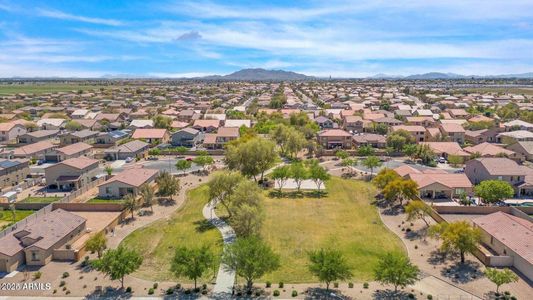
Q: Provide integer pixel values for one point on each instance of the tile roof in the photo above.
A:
(486, 149)
(78, 162)
(501, 166)
(74, 148)
(33, 148)
(333, 132)
(514, 232)
(446, 179)
(134, 177)
(147, 133)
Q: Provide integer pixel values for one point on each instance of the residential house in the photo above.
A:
(354, 123)
(445, 149)
(35, 242)
(135, 124)
(51, 124)
(418, 132)
(492, 150)
(11, 131)
(325, 123)
(37, 136)
(86, 136)
(498, 168)
(455, 132)
(510, 238)
(517, 125)
(334, 138)
(523, 148)
(79, 114)
(152, 135)
(223, 136)
(127, 182)
(237, 123)
(512, 137)
(112, 137)
(71, 174)
(133, 149)
(206, 125)
(483, 135)
(370, 139)
(13, 171)
(188, 137)
(37, 150)
(437, 184)
(70, 151)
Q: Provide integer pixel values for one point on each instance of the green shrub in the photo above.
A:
(178, 286)
(204, 286)
(294, 293)
(281, 284)
(430, 297)
(350, 285)
(257, 293)
(268, 284)
(151, 291)
(170, 291)
(156, 285)
(187, 292)
(62, 283)
(335, 284)
(411, 296)
(365, 285)
(275, 293)
(204, 292)
(65, 275)
(37, 275)
(128, 289)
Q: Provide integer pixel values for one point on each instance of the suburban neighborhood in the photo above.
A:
(121, 169)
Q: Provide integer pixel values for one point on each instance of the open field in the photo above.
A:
(187, 227)
(344, 219)
(47, 88)
(40, 199)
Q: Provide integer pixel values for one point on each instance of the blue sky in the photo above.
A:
(322, 38)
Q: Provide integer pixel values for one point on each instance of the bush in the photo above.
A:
(281, 284)
(128, 289)
(430, 297)
(151, 291)
(187, 292)
(268, 284)
(65, 275)
(365, 285)
(275, 293)
(55, 291)
(170, 291)
(62, 283)
(178, 286)
(37, 275)
(411, 296)
(350, 285)
(156, 285)
(257, 293)
(204, 286)
(335, 284)
(294, 293)
(196, 290)
(67, 292)
(204, 292)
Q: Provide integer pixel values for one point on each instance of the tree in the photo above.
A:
(455, 160)
(500, 277)
(147, 195)
(163, 122)
(222, 187)
(319, 175)
(396, 269)
(492, 191)
(399, 138)
(73, 126)
(131, 204)
(117, 263)
(203, 160)
(248, 215)
(168, 185)
(182, 150)
(290, 140)
(108, 170)
(298, 173)
(13, 211)
(192, 262)
(341, 154)
(371, 162)
(329, 265)
(384, 177)
(251, 258)
(97, 243)
(400, 189)
(417, 209)
(366, 150)
(409, 150)
(183, 165)
(281, 175)
(252, 157)
(424, 153)
(457, 236)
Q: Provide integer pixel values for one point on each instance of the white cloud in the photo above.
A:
(39, 70)
(57, 14)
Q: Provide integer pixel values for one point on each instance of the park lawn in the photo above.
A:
(186, 227)
(40, 199)
(343, 219)
(99, 200)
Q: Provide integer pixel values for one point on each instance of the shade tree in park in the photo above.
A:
(280, 175)
(183, 165)
(168, 185)
(384, 177)
(418, 210)
(371, 162)
(117, 263)
(252, 157)
(222, 187)
(399, 190)
(298, 173)
(192, 262)
(396, 269)
(329, 265)
(459, 236)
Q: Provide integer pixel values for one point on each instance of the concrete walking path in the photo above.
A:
(225, 278)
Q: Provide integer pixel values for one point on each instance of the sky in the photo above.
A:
(320, 38)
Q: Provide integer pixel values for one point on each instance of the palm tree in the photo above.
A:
(108, 170)
(130, 204)
(147, 195)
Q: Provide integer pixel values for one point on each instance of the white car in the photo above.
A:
(129, 159)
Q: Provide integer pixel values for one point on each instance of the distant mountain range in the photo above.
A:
(259, 74)
(437, 75)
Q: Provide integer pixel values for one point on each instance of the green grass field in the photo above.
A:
(40, 199)
(41, 88)
(187, 227)
(6, 216)
(343, 219)
(98, 200)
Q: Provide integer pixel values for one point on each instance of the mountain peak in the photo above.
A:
(258, 74)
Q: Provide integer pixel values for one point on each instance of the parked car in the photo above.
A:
(129, 159)
(153, 158)
(441, 160)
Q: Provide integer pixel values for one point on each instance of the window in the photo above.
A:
(34, 255)
(500, 177)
